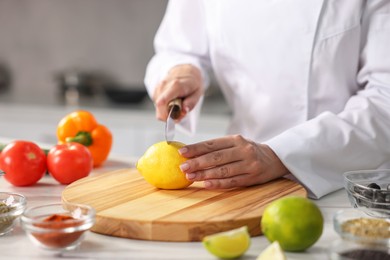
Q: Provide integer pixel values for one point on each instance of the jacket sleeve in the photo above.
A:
(180, 39)
(318, 151)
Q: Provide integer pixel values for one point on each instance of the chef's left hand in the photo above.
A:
(231, 161)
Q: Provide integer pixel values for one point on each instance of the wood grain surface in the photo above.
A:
(127, 206)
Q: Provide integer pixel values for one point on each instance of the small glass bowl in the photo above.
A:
(375, 202)
(360, 233)
(12, 206)
(56, 226)
(341, 249)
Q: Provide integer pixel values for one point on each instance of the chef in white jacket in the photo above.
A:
(308, 82)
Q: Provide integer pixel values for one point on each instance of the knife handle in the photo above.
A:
(175, 106)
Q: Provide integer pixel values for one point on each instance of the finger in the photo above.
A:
(212, 160)
(191, 92)
(221, 172)
(242, 180)
(184, 111)
(205, 147)
(161, 113)
(158, 102)
(168, 93)
(157, 91)
(227, 170)
(190, 101)
(176, 88)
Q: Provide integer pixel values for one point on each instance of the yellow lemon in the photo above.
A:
(228, 244)
(159, 165)
(272, 252)
(295, 222)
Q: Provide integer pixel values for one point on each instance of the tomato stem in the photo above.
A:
(2, 146)
(81, 137)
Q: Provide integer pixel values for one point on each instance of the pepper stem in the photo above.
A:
(81, 137)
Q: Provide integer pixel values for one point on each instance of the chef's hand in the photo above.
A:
(182, 81)
(231, 161)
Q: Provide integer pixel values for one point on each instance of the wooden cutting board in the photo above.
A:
(127, 206)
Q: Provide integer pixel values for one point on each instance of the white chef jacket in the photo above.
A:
(310, 78)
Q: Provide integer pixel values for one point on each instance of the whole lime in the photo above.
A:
(295, 222)
(160, 166)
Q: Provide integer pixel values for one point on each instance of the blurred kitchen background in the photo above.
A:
(92, 52)
(60, 55)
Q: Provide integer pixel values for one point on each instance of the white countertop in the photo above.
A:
(39, 123)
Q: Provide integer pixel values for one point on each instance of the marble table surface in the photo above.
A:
(16, 244)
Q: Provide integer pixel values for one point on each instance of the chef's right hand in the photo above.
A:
(183, 81)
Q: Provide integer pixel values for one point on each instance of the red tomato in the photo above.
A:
(69, 162)
(23, 162)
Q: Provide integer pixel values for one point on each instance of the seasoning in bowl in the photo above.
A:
(5, 221)
(356, 225)
(58, 239)
(367, 227)
(58, 227)
(365, 254)
(11, 207)
(362, 236)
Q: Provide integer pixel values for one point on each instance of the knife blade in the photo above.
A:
(174, 108)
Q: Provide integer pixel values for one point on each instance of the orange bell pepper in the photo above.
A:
(82, 127)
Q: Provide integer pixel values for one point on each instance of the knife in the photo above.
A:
(174, 108)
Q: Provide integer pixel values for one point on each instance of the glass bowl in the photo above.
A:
(340, 249)
(369, 190)
(361, 235)
(12, 206)
(357, 226)
(57, 226)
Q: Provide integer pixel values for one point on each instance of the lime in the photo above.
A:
(272, 252)
(295, 222)
(159, 166)
(228, 244)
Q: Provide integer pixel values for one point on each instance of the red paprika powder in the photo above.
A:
(56, 237)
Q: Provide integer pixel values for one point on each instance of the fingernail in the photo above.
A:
(207, 184)
(190, 176)
(184, 167)
(183, 150)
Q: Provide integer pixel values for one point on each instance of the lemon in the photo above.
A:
(295, 222)
(272, 252)
(228, 244)
(159, 166)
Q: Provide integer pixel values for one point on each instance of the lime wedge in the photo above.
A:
(273, 251)
(228, 244)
